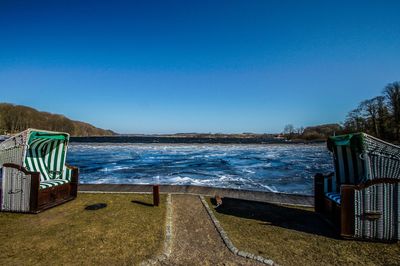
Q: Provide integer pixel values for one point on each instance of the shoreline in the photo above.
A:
(193, 143)
(183, 140)
(260, 196)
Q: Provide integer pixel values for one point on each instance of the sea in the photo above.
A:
(287, 168)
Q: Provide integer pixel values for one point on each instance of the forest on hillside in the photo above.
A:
(16, 118)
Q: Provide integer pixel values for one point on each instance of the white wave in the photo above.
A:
(248, 166)
(249, 171)
(270, 188)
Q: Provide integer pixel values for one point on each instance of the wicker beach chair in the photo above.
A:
(34, 174)
(362, 197)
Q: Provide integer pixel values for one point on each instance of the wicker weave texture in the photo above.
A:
(13, 150)
(382, 158)
(377, 212)
(16, 190)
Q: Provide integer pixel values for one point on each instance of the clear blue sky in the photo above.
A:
(197, 66)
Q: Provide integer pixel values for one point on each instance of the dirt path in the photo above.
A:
(195, 239)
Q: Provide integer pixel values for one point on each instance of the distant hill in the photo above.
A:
(16, 118)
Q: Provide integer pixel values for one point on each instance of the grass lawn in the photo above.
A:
(296, 236)
(126, 232)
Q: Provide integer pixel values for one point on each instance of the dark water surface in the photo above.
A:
(272, 167)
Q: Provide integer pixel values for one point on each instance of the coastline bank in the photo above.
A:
(269, 197)
(189, 140)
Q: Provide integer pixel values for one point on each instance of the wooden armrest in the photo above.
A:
(71, 167)
(377, 181)
(20, 168)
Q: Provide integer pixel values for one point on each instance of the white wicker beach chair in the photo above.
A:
(362, 196)
(34, 174)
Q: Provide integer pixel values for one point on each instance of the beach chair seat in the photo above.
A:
(34, 174)
(334, 196)
(52, 183)
(362, 196)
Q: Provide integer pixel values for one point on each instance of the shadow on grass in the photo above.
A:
(142, 203)
(277, 215)
(95, 207)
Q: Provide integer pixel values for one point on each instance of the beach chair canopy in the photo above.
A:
(39, 151)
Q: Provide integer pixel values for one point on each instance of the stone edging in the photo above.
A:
(167, 248)
(229, 243)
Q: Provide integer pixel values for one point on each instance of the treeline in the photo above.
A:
(16, 118)
(320, 132)
(379, 116)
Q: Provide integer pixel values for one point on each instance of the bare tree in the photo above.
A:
(370, 109)
(383, 115)
(355, 121)
(289, 129)
(392, 94)
(300, 131)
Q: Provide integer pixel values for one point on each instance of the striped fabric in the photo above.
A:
(67, 174)
(52, 183)
(335, 196)
(349, 166)
(384, 201)
(47, 156)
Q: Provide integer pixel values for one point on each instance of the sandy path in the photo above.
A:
(195, 239)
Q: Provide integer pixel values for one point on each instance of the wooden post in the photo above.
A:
(319, 193)
(156, 195)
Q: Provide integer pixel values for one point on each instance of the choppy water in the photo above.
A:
(278, 168)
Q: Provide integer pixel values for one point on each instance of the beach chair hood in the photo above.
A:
(34, 174)
(362, 157)
(38, 151)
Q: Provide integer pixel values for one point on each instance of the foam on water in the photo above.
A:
(277, 168)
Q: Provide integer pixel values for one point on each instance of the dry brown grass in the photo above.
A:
(123, 233)
(296, 236)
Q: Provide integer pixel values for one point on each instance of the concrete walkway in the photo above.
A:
(195, 239)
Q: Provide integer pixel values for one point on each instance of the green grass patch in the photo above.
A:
(128, 231)
(296, 236)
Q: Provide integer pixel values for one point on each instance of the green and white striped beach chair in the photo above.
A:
(34, 174)
(362, 197)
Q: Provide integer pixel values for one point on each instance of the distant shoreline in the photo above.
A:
(189, 140)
